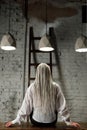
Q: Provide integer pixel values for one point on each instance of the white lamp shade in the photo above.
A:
(81, 44)
(8, 42)
(44, 44)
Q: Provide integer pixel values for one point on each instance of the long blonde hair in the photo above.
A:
(44, 86)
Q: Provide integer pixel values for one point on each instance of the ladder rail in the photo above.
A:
(34, 51)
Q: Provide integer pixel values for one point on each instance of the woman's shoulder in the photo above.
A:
(31, 86)
(55, 84)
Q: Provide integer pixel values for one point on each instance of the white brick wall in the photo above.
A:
(11, 63)
(72, 74)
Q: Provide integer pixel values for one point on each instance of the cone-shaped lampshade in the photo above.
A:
(45, 44)
(81, 44)
(8, 42)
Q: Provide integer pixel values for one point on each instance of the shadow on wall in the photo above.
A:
(57, 54)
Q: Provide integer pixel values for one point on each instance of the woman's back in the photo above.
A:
(44, 109)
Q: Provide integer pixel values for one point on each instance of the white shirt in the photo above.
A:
(29, 104)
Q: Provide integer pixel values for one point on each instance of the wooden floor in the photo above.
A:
(59, 126)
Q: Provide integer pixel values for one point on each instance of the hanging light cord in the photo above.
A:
(9, 16)
(46, 17)
(82, 28)
(25, 45)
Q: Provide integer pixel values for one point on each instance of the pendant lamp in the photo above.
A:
(81, 42)
(8, 42)
(45, 44)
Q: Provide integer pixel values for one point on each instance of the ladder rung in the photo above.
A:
(32, 78)
(35, 64)
(36, 38)
(39, 51)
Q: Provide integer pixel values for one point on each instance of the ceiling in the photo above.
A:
(55, 8)
(54, 1)
(51, 10)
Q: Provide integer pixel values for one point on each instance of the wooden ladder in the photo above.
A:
(33, 51)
